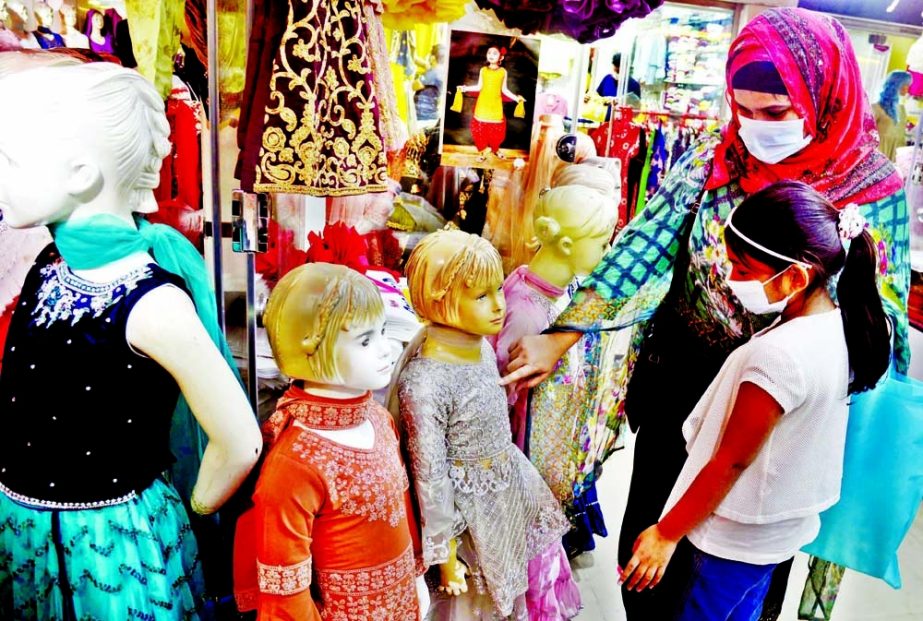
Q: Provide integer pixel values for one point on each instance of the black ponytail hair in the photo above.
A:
(793, 219)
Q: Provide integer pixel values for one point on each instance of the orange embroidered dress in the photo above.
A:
(327, 518)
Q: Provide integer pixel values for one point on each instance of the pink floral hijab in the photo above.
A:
(815, 59)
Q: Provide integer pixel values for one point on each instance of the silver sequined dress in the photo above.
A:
(470, 478)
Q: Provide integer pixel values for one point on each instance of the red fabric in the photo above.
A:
(815, 58)
(341, 245)
(179, 195)
(488, 134)
(624, 145)
(6, 315)
(330, 517)
(281, 256)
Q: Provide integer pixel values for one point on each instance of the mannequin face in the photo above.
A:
(586, 253)
(44, 15)
(19, 10)
(363, 357)
(97, 21)
(481, 308)
(493, 56)
(905, 89)
(69, 16)
(35, 183)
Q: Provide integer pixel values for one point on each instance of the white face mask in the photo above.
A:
(752, 295)
(773, 141)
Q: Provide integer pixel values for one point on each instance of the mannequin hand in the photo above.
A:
(522, 99)
(652, 554)
(453, 578)
(462, 89)
(532, 358)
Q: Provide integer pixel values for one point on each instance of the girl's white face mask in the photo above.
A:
(773, 141)
(752, 295)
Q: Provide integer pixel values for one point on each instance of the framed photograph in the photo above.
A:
(490, 99)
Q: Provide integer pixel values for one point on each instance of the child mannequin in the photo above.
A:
(563, 427)
(117, 336)
(332, 504)
(483, 505)
(44, 16)
(73, 38)
(18, 15)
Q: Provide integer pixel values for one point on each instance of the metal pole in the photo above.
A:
(214, 115)
(578, 90)
(252, 379)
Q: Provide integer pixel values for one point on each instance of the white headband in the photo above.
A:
(771, 253)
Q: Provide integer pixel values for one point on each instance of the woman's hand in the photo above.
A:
(532, 358)
(652, 554)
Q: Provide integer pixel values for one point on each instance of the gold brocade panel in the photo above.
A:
(322, 133)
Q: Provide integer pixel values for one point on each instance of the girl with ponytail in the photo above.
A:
(766, 441)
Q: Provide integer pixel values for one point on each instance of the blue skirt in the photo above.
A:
(135, 560)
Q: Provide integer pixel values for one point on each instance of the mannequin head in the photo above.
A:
(456, 280)
(97, 21)
(4, 12)
(573, 226)
(591, 174)
(69, 16)
(325, 325)
(109, 132)
(44, 14)
(16, 10)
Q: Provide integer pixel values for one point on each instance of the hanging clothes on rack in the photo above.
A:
(619, 138)
(179, 196)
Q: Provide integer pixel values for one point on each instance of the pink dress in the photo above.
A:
(530, 309)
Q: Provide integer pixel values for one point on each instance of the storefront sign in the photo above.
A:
(893, 11)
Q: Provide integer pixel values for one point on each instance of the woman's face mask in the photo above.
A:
(773, 141)
(769, 125)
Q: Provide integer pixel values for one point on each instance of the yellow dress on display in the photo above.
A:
(489, 106)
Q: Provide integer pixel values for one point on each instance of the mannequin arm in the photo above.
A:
(164, 326)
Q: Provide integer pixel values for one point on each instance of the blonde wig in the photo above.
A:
(121, 108)
(309, 308)
(441, 265)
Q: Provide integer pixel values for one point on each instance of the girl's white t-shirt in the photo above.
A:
(773, 509)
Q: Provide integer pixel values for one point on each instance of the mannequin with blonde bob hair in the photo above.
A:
(484, 508)
(119, 315)
(333, 479)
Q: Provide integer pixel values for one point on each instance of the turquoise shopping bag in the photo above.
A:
(882, 481)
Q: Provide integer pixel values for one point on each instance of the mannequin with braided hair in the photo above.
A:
(484, 509)
(333, 480)
(113, 350)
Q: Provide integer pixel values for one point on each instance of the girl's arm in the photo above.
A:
(752, 420)
(507, 92)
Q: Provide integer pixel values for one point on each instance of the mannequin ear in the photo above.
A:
(85, 180)
(565, 245)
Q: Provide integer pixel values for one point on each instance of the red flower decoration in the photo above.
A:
(339, 244)
(281, 255)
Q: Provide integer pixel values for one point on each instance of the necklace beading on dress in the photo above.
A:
(323, 413)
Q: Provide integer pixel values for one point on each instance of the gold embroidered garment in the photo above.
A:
(323, 126)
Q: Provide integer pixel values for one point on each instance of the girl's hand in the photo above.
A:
(652, 554)
(532, 358)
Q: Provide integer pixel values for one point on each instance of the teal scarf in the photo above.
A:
(100, 240)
